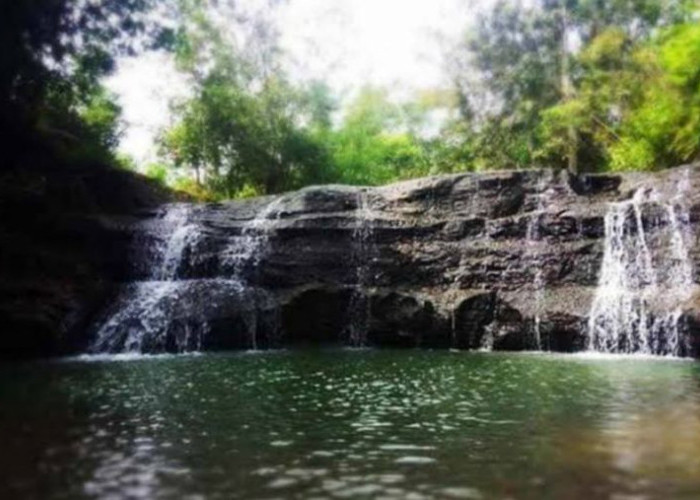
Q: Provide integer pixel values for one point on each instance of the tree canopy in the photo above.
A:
(588, 85)
(560, 83)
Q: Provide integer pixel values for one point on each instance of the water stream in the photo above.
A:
(645, 277)
(166, 312)
(534, 248)
(142, 312)
(362, 256)
(251, 246)
(183, 234)
(255, 239)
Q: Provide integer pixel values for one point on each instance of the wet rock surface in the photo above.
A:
(64, 232)
(504, 260)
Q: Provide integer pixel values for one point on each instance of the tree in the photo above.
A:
(626, 109)
(55, 52)
(374, 143)
(609, 84)
(520, 75)
(662, 128)
(246, 128)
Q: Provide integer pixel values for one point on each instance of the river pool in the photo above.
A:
(351, 424)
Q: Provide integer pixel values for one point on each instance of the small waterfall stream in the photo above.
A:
(533, 238)
(645, 277)
(359, 306)
(183, 233)
(250, 247)
(247, 251)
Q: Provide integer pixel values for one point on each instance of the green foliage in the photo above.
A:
(665, 122)
(626, 95)
(367, 147)
(246, 129)
(379, 141)
(637, 103)
(631, 154)
(55, 52)
(52, 39)
(100, 114)
(126, 162)
(194, 190)
(510, 74)
(626, 99)
(158, 172)
(239, 140)
(232, 137)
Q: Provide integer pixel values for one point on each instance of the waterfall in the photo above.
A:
(646, 275)
(182, 235)
(249, 248)
(168, 311)
(247, 251)
(142, 311)
(359, 306)
(533, 238)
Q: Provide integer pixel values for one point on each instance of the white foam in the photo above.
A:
(126, 356)
(646, 275)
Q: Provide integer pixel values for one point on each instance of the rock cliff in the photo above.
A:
(505, 260)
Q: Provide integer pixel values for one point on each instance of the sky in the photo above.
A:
(398, 44)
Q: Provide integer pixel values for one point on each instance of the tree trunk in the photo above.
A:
(567, 90)
(197, 177)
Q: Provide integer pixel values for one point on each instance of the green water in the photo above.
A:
(351, 424)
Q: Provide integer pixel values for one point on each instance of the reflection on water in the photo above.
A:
(351, 424)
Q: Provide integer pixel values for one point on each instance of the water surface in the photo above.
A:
(351, 424)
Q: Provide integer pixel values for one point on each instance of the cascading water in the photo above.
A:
(141, 313)
(250, 247)
(533, 237)
(183, 234)
(247, 251)
(359, 306)
(168, 312)
(645, 276)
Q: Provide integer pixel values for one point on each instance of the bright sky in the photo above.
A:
(398, 44)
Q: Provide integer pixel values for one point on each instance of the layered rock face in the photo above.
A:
(502, 260)
(64, 235)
